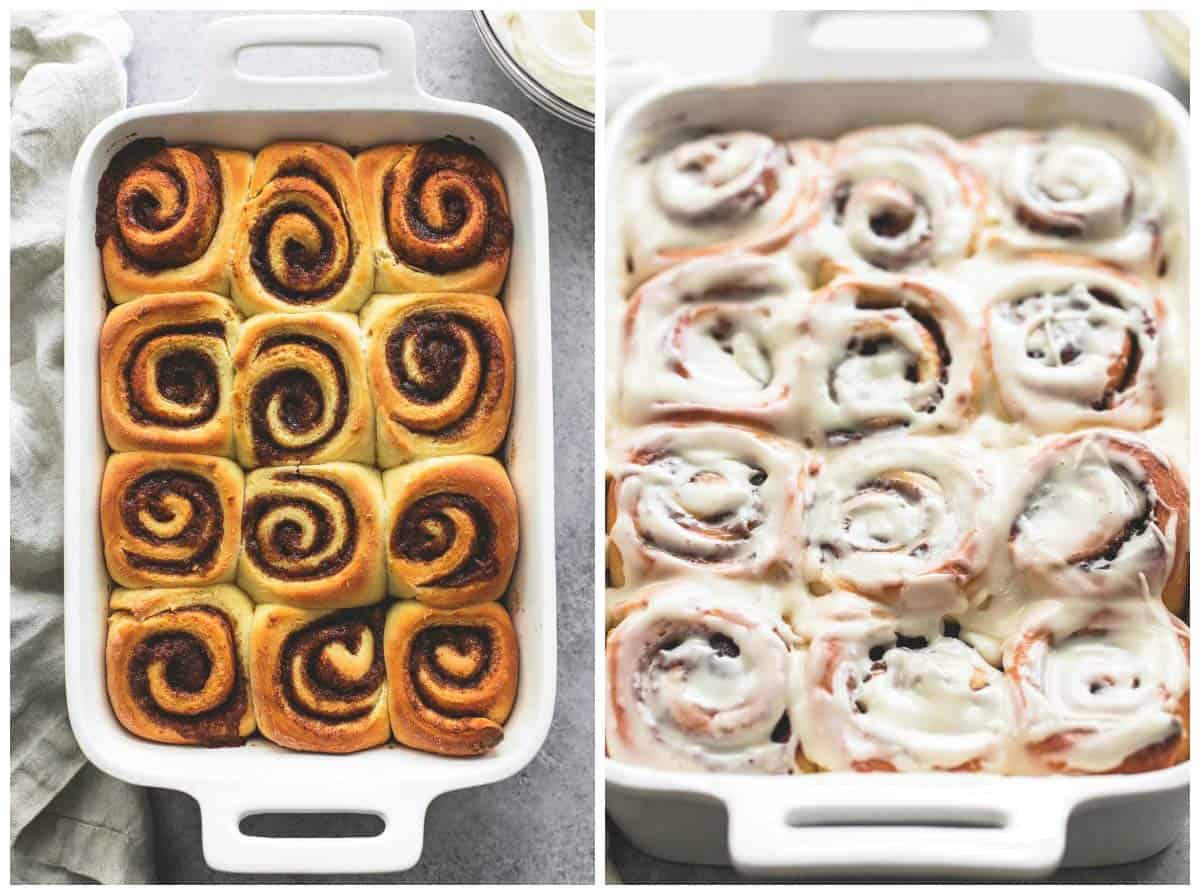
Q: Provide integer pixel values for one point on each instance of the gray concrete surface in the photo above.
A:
(537, 826)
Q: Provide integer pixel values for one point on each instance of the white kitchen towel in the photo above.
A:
(69, 822)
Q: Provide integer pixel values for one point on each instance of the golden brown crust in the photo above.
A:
(439, 218)
(301, 393)
(451, 530)
(313, 536)
(452, 676)
(166, 218)
(318, 678)
(302, 241)
(171, 520)
(177, 664)
(441, 369)
(166, 374)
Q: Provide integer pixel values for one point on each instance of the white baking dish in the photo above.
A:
(961, 825)
(397, 784)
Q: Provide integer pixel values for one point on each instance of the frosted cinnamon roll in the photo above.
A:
(1100, 690)
(881, 692)
(170, 520)
(886, 353)
(166, 374)
(452, 676)
(442, 374)
(300, 393)
(1103, 514)
(705, 497)
(1074, 344)
(902, 522)
(903, 198)
(439, 217)
(697, 681)
(177, 664)
(302, 243)
(737, 190)
(452, 530)
(1073, 190)
(165, 218)
(711, 339)
(318, 678)
(313, 536)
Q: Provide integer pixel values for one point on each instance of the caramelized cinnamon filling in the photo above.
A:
(425, 532)
(187, 378)
(163, 496)
(450, 657)
(348, 628)
(287, 541)
(302, 401)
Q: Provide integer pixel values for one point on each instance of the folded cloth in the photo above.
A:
(69, 822)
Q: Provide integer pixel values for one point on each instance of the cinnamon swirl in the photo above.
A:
(452, 676)
(302, 241)
(452, 530)
(439, 217)
(318, 678)
(441, 369)
(166, 375)
(170, 520)
(314, 536)
(166, 216)
(177, 664)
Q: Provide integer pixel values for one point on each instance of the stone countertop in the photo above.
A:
(538, 825)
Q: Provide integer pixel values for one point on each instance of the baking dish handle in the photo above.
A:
(397, 847)
(224, 85)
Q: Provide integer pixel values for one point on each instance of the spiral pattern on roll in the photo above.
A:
(332, 669)
(171, 376)
(300, 527)
(301, 406)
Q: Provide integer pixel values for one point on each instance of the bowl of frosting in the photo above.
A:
(550, 55)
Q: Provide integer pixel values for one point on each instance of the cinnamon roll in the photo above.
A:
(903, 198)
(318, 678)
(1073, 190)
(452, 530)
(718, 193)
(177, 664)
(314, 536)
(165, 218)
(166, 375)
(441, 369)
(1103, 514)
(302, 243)
(300, 393)
(438, 215)
(898, 521)
(452, 676)
(697, 681)
(170, 520)
(712, 338)
(705, 497)
(1073, 344)
(1100, 691)
(886, 353)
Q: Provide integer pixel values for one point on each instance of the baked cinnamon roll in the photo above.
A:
(1103, 515)
(177, 664)
(441, 369)
(318, 678)
(713, 338)
(452, 676)
(452, 531)
(1100, 691)
(439, 217)
(166, 216)
(902, 522)
(170, 520)
(697, 681)
(300, 393)
(706, 497)
(886, 353)
(302, 243)
(1074, 344)
(314, 536)
(166, 375)
(715, 194)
